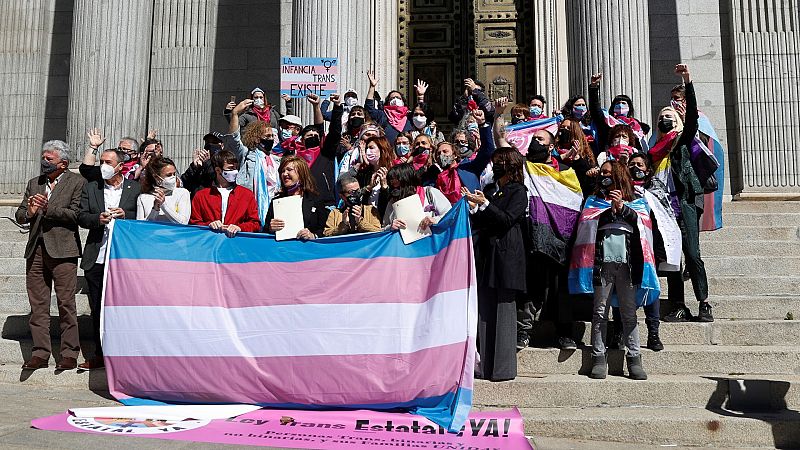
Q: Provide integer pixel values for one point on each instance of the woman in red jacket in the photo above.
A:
(226, 206)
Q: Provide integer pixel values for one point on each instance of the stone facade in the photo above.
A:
(174, 64)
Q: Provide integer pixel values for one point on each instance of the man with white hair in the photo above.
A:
(51, 205)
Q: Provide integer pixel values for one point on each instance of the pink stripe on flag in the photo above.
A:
(139, 282)
(313, 380)
(582, 256)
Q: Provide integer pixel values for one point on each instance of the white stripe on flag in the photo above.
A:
(287, 330)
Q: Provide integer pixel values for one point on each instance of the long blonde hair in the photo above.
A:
(676, 116)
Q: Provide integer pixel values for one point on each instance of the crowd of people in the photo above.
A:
(358, 158)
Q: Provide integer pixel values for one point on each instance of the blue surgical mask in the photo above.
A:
(472, 126)
(579, 111)
(536, 111)
(402, 149)
(285, 134)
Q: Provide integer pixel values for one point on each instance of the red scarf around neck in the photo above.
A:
(663, 146)
(450, 184)
(262, 114)
(397, 116)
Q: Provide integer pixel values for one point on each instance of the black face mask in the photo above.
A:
(666, 124)
(605, 182)
(353, 199)
(499, 172)
(564, 140)
(637, 174)
(267, 144)
(48, 167)
(537, 152)
(311, 141)
(515, 121)
(356, 122)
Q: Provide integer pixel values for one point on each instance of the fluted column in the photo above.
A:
(181, 74)
(23, 77)
(552, 64)
(612, 37)
(109, 69)
(361, 33)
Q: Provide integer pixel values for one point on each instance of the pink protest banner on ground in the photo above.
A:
(313, 429)
(360, 429)
(303, 76)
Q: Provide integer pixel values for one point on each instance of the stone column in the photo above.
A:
(612, 37)
(24, 47)
(181, 74)
(550, 47)
(361, 33)
(109, 70)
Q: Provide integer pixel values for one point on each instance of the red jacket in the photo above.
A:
(242, 209)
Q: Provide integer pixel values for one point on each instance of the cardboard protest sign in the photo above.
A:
(303, 76)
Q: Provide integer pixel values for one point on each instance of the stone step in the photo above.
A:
(750, 265)
(667, 426)
(718, 248)
(95, 380)
(746, 307)
(14, 352)
(674, 359)
(751, 206)
(771, 219)
(17, 304)
(724, 285)
(760, 232)
(771, 392)
(16, 266)
(13, 249)
(16, 327)
(720, 332)
(15, 284)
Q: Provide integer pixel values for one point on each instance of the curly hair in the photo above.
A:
(251, 135)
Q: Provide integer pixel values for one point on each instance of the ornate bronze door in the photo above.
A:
(445, 41)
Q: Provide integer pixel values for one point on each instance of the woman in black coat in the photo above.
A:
(498, 215)
(296, 179)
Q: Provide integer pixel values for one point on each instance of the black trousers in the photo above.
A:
(497, 334)
(547, 297)
(94, 279)
(689, 223)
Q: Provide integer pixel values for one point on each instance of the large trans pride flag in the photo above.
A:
(360, 321)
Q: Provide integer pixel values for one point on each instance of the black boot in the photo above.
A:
(704, 315)
(599, 367)
(635, 369)
(654, 342)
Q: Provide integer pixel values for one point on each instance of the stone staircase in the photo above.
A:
(731, 383)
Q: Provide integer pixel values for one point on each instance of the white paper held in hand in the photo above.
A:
(410, 211)
(290, 211)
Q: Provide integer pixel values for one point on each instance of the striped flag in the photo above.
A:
(555, 204)
(359, 321)
(521, 134)
(581, 269)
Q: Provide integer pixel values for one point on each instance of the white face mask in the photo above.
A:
(169, 183)
(620, 141)
(420, 121)
(259, 102)
(230, 175)
(371, 154)
(107, 171)
(351, 101)
(396, 102)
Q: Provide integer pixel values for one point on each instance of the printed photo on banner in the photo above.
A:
(303, 76)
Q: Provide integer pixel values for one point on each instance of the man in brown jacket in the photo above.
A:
(51, 205)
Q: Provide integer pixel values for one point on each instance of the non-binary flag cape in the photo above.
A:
(555, 204)
(521, 134)
(711, 219)
(581, 269)
(360, 321)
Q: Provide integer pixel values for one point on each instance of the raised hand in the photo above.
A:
(152, 133)
(286, 97)
(421, 87)
(470, 84)
(373, 80)
(595, 80)
(336, 99)
(480, 116)
(96, 138)
(500, 105)
(683, 71)
(244, 104)
(313, 99)
(200, 156)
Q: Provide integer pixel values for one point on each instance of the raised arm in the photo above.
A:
(96, 139)
(692, 115)
(499, 123)
(237, 111)
(334, 136)
(315, 102)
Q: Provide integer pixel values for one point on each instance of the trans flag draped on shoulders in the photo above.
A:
(521, 134)
(581, 269)
(705, 143)
(555, 204)
(360, 321)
